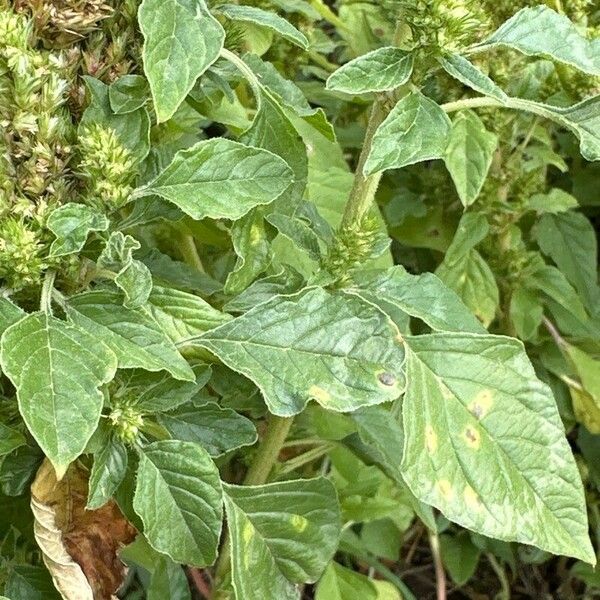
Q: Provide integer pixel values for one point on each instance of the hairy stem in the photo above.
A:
(478, 102)
(500, 573)
(46, 295)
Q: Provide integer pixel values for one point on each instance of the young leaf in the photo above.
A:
(127, 94)
(108, 470)
(416, 129)
(377, 71)
(298, 232)
(473, 401)
(467, 73)
(133, 335)
(179, 499)
(555, 201)
(340, 583)
(570, 240)
(181, 40)
(10, 439)
(57, 369)
(469, 155)
(216, 429)
(264, 18)
(71, 224)
(338, 350)
(423, 296)
(288, 530)
(168, 581)
(526, 312)
(220, 179)
(460, 556)
(540, 31)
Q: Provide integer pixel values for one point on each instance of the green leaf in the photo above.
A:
(178, 496)
(131, 129)
(128, 93)
(460, 556)
(298, 232)
(377, 71)
(586, 400)
(28, 582)
(423, 296)
(71, 224)
(416, 129)
(133, 335)
(108, 470)
(57, 369)
(570, 241)
(464, 71)
(339, 583)
(220, 179)
(555, 201)
(475, 401)
(288, 531)
(9, 314)
(10, 439)
(526, 312)
(168, 581)
(217, 429)
(181, 315)
(540, 31)
(336, 349)
(181, 40)
(264, 18)
(469, 155)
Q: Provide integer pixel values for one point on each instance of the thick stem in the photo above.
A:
(189, 252)
(46, 295)
(478, 102)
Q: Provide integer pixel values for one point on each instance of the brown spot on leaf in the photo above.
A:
(387, 379)
(80, 547)
(472, 437)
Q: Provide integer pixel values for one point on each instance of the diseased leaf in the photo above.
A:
(569, 240)
(377, 71)
(264, 18)
(108, 470)
(336, 349)
(474, 400)
(540, 31)
(57, 369)
(71, 224)
(133, 335)
(216, 429)
(220, 179)
(181, 40)
(288, 530)
(423, 296)
(416, 129)
(469, 155)
(467, 73)
(179, 499)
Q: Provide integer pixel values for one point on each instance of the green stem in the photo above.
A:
(440, 574)
(189, 252)
(46, 295)
(258, 473)
(501, 574)
(478, 102)
(245, 70)
(328, 15)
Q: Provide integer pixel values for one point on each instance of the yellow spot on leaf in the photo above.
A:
(247, 533)
(471, 498)
(299, 523)
(319, 394)
(431, 439)
(481, 404)
(445, 489)
(472, 436)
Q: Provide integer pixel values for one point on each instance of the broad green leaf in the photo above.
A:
(333, 348)
(526, 312)
(182, 315)
(133, 335)
(28, 582)
(540, 31)
(287, 531)
(10, 439)
(340, 583)
(570, 241)
(298, 232)
(467, 73)
(179, 499)
(251, 244)
(416, 129)
(57, 369)
(181, 40)
(475, 401)
(9, 314)
(586, 401)
(71, 224)
(132, 129)
(217, 429)
(168, 581)
(108, 470)
(220, 179)
(460, 556)
(555, 201)
(469, 155)
(128, 93)
(264, 18)
(377, 71)
(423, 296)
